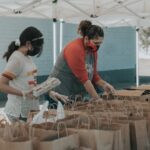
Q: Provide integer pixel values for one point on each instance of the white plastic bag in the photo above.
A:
(38, 118)
(60, 111)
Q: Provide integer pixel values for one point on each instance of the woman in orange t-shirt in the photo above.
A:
(76, 66)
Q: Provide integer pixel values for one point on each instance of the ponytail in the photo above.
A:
(11, 48)
(31, 34)
(86, 28)
(83, 27)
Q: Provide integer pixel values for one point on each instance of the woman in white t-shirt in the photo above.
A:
(19, 75)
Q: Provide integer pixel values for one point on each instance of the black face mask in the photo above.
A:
(36, 50)
(97, 47)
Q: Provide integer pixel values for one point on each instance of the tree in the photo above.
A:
(144, 36)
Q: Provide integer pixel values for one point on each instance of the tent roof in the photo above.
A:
(104, 12)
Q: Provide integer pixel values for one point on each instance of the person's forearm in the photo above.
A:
(90, 89)
(101, 82)
(9, 90)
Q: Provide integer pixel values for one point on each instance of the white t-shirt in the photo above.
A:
(21, 71)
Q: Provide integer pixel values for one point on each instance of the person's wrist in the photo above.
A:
(104, 85)
(95, 97)
(51, 92)
(23, 95)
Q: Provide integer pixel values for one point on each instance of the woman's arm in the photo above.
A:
(90, 89)
(106, 86)
(4, 87)
(100, 82)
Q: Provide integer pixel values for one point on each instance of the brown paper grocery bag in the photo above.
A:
(138, 133)
(42, 134)
(15, 138)
(125, 133)
(3, 122)
(111, 137)
(92, 137)
(147, 116)
(82, 148)
(20, 145)
(104, 139)
(65, 140)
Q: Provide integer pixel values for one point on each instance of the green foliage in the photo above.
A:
(144, 36)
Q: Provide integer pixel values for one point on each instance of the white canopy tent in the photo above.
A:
(106, 13)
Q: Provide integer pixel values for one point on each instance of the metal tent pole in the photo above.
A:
(54, 41)
(61, 35)
(137, 58)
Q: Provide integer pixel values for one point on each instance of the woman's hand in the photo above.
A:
(56, 96)
(108, 88)
(28, 95)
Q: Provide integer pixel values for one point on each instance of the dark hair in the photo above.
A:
(84, 24)
(86, 28)
(94, 31)
(29, 34)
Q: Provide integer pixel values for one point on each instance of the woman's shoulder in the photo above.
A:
(78, 41)
(17, 56)
(75, 44)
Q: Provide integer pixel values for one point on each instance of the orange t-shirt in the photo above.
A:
(74, 54)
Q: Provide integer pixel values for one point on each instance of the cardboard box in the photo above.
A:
(141, 95)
